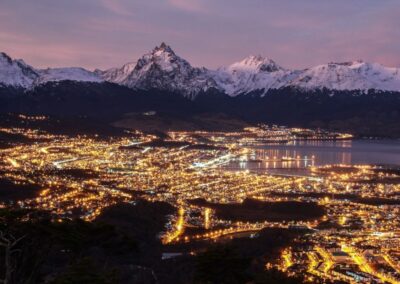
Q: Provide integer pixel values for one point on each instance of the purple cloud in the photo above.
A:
(211, 33)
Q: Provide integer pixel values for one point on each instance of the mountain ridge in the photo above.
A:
(164, 70)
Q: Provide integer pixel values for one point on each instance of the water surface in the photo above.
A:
(275, 158)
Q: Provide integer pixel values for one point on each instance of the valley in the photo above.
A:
(345, 214)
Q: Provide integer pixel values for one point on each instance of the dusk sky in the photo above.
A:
(210, 33)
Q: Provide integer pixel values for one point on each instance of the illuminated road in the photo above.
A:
(365, 266)
(178, 229)
(13, 162)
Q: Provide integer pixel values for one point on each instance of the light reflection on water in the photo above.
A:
(310, 153)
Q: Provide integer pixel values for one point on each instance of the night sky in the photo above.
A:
(211, 33)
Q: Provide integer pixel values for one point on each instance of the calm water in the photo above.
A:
(305, 154)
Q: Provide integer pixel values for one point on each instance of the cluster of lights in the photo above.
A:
(81, 176)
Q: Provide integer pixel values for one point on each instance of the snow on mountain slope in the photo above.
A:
(68, 73)
(16, 73)
(117, 75)
(380, 77)
(357, 75)
(255, 64)
(162, 69)
(250, 74)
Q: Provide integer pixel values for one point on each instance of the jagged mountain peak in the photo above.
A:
(15, 72)
(161, 68)
(9, 60)
(4, 56)
(161, 57)
(163, 48)
(255, 63)
(253, 73)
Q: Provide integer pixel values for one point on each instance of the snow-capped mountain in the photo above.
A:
(16, 73)
(162, 69)
(117, 75)
(258, 73)
(357, 75)
(68, 73)
(252, 73)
